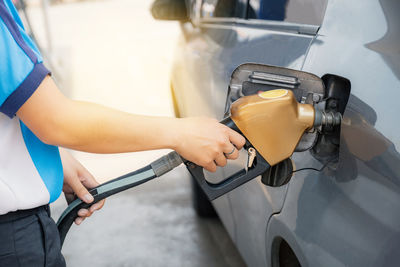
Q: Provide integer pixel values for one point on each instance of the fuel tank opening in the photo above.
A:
(337, 92)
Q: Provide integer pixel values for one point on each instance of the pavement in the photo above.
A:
(113, 53)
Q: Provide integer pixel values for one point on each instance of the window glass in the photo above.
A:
(223, 8)
(296, 11)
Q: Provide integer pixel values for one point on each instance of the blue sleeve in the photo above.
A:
(21, 67)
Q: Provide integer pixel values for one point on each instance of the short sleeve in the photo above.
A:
(21, 67)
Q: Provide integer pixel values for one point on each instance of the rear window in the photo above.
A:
(295, 11)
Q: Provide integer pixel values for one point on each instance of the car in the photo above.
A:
(336, 201)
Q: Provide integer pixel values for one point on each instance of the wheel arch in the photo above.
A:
(278, 233)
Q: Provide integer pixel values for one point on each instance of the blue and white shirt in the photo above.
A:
(30, 171)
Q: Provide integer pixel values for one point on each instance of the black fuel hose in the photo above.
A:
(157, 169)
(145, 174)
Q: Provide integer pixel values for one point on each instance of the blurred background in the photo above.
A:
(114, 53)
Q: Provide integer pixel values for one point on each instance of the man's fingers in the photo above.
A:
(221, 160)
(89, 181)
(93, 208)
(84, 213)
(232, 155)
(97, 206)
(211, 167)
(236, 139)
(81, 191)
(79, 220)
(230, 148)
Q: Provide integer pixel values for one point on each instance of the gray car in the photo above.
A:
(336, 202)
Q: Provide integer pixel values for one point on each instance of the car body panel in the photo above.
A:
(212, 52)
(348, 215)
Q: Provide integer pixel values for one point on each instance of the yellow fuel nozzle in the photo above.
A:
(273, 122)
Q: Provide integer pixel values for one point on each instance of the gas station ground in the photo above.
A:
(113, 53)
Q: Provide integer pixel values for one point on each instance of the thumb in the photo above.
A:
(80, 190)
(88, 180)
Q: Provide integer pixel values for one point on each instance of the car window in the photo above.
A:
(296, 11)
(223, 8)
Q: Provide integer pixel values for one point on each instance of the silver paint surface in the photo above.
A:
(346, 215)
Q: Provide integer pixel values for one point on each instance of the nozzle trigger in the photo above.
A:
(252, 155)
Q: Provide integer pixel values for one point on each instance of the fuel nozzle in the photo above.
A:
(273, 122)
(327, 119)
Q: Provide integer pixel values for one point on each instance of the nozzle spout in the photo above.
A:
(329, 119)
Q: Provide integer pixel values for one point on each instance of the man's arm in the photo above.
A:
(89, 127)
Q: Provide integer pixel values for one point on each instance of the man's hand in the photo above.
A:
(207, 142)
(76, 181)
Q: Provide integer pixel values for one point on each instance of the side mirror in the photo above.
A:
(169, 10)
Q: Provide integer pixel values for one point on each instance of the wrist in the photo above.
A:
(174, 133)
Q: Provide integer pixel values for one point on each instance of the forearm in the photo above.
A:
(91, 127)
(105, 130)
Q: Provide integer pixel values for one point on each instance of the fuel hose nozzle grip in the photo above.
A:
(166, 163)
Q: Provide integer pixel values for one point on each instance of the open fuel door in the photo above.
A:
(272, 118)
(251, 78)
(278, 111)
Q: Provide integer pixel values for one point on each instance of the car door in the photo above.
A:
(221, 36)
